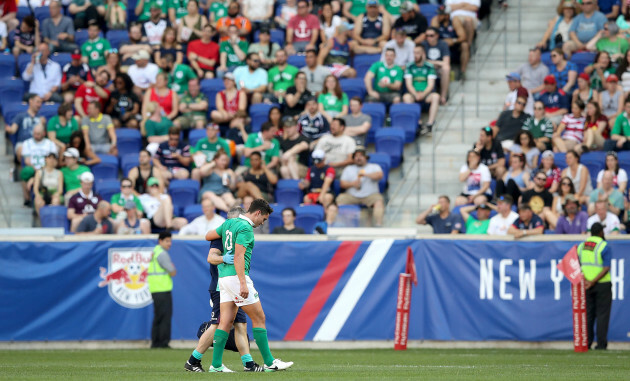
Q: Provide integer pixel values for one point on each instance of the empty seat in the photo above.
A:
(297, 60)
(183, 193)
(107, 188)
(275, 35)
(81, 36)
(196, 135)
(595, 161)
(377, 112)
(48, 110)
(275, 218)
(22, 12)
(288, 192)
(107, 168)
(583, 59)
(117, 37)
(128, 141)
(127, 162)
(385, 161)
(41, 14)
(349, 215)
(192, 211)
(210, 87)
(559, 159)
(54, 217)
(362, 63)
(406, 116)
(353, 87)
(61, 58)
(307, 216)
(7, 65)
(22, 61)
(392, 141)
(429, 11)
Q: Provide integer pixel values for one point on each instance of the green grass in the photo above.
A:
(431, 364)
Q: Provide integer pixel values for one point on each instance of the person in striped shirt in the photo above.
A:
(570, 132)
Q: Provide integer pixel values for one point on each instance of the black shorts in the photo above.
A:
(241, 317)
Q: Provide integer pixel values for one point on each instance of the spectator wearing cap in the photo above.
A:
(516, 89)
(337, 146)
(280, 78)
(252, 79)
(540, 127)
(98, 130)
(48, 183)
(58, 30)
(420, 79)
(74, 74)
(527, 223)
(132, 223)
(403, 47)
(83, 202)
(234, 17)
(604, 216)
(72, 171)
(466, 12)
(371, 28)
(360, 182)
(97, 222)
(555, 100)
(620, 133)
(89, 92)
(383, 81)
(266, 144)
(440, 217)
(439, 55)
(584, 90)
(154, 27)
(209, 220)
(533, 72)
(358, 124)
(232, 52)
(505, 217)
(564, 71)
(143, 73)
(607, 192)
(510, 122)
(24, 122)
(203, 54)
(412, 22)
(34, 153)
(574, 220)
(302, 30)
(119, 200)
(317, 182)
(490, 152)
(93, 51)
(584, 27)
(611, 99)
(44, 75)
(173, 157)
(193, 106)
(133, 45)
(477, 224)
(452, 32)
(295, 149)
(205, 149)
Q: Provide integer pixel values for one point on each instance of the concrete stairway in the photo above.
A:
(12, 212)
(412, 187)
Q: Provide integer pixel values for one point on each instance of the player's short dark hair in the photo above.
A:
(164, 234)
(290, 210)
(261, 205)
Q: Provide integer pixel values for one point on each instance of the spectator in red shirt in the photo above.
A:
(203, 54)
(92, 92)
(234, 18)
(302, 30)
(8, 13)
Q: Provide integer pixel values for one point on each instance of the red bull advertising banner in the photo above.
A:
(468, 290)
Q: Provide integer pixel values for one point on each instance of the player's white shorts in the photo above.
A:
(230, 289)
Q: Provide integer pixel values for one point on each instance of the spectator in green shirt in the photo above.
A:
(61, 126)
(119, 200)
(264, 143)
(384, 80)
(155, 125)
(281, 77)
(178, 74)
(71, 171)
(143, 9)
(232, 52)
(478, 225)
(420, 80)
(620, 134)
(85, 12)
(333, 103)
(94, 49)
(609, 41)
(205, 150)
(540, 127)
(193, 106)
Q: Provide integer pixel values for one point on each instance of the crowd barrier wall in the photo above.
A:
(326, 290)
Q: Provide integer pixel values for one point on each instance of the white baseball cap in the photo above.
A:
(87, 177)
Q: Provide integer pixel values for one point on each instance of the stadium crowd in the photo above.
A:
(146, 115)
(557, 157)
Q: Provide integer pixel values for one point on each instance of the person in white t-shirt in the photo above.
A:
(620, 179)
(142, 73)
(159, 207)
(203, 224)
(607, 219)
(338, 147)
(34, 152)
(476, 178)
(500, 223)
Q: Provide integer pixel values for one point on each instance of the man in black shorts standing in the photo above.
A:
(239, 339)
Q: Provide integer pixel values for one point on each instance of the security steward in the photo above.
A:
(595, 256)
(161, 272)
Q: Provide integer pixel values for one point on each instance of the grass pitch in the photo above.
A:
(431, 364)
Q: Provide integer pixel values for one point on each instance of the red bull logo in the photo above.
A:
(126, 276)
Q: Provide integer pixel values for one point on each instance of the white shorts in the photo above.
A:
(230, 289)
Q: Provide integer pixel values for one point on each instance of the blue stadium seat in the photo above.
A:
(308, 216)
(392, 141)
(196, 135)
(131, 14)
(275, 218)
(54, 217)
(353, 87)
(595, 161)
(106, 188)
(49, 110)
(297, 60)
(107, 168)
(288, 192)
(129, 141)
(559, 159)
(192, 211)
(81, 36)
(183, 193)
(259, 114)
(429, 11)
(406, 116)
(127, 162)
(7, 66)
(41, 14)
(349, 215)
(276, 35)
(583, 59)
(385, 161)
(210, 87)
(377, 112)
(362, 63)
(624, 162)
(22, 12)
(22, 61)
(11, 91)
(117, 37)
(61, 58)
(546, 59)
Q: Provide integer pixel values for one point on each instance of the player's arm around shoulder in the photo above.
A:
(212, 235)
(215, 257)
